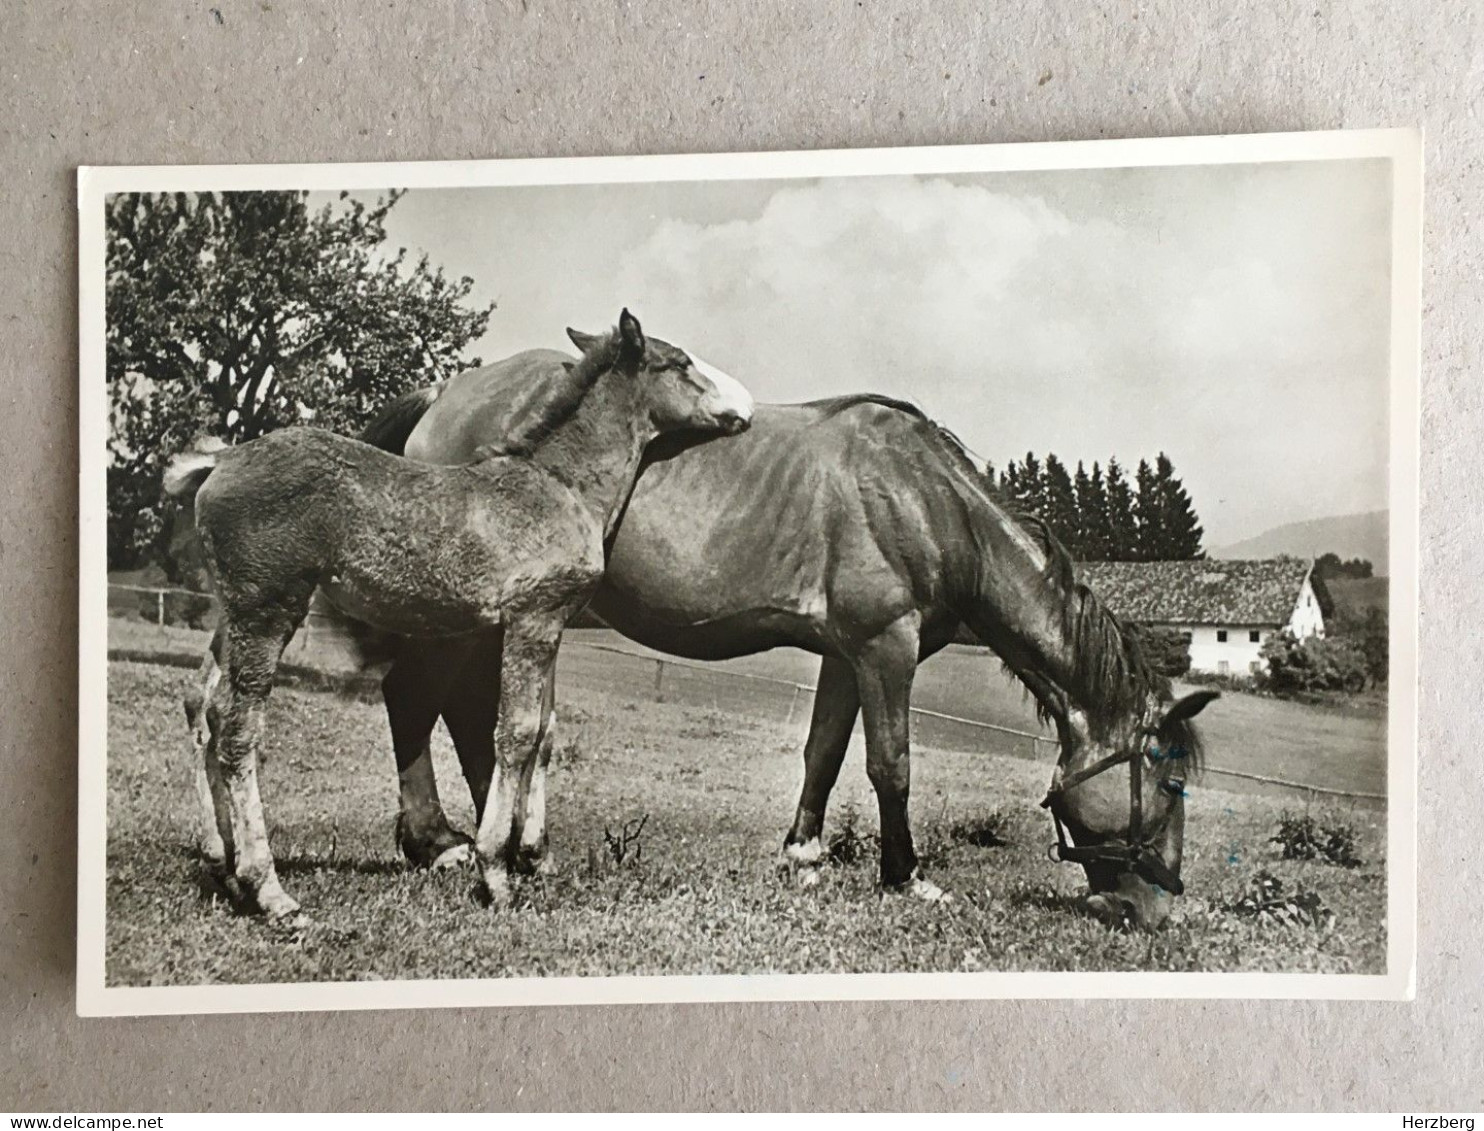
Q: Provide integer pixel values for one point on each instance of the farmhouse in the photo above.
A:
(1226, 610)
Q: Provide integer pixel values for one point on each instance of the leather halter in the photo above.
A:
(1133, 853)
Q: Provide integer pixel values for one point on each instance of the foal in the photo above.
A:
(514, 539)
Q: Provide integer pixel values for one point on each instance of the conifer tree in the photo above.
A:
(1148, 515)
(1123, 532)
(1180, 530)
(1061, 505)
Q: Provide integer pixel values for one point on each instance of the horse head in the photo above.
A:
(1118, 801)
(679, 391)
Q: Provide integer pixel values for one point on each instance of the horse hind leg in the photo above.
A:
(203, 715)
(836, 705)
(251, 661)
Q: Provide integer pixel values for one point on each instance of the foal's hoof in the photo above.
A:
(456, 857)
(494, 892)
(292, 925)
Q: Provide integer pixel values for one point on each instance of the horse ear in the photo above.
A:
(1187, 707)
(583, 342)
(630, 336)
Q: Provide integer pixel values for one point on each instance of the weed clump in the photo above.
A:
(1301, 837)
(1265, 900)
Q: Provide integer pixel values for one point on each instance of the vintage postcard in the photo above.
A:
(964, 572)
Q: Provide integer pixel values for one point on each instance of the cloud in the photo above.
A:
(1023, 325)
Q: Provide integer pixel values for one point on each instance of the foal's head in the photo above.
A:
(679, 392)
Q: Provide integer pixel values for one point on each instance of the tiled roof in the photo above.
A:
(1199, 592)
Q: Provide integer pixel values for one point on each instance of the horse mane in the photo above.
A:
(1112, 674)
(537, 419)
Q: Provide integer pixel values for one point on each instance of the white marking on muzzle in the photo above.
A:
(730, 393)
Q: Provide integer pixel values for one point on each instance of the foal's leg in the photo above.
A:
(533, 849)
(529, 659)
(836, 705)
(884, 671)
(413, 690)
(202, 708)
(251, 660)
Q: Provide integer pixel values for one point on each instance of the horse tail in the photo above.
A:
(187, 471)
(393, 427)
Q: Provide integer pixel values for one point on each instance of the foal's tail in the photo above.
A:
(187, 471)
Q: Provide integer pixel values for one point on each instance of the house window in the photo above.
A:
(1221, 636)
(1255, 636)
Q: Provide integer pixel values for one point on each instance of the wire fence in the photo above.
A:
(671, 678)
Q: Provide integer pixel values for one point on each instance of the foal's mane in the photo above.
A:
(1112, 673)
(536, 419)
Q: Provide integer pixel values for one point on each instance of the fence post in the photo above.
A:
(160, 607)
(659, 678)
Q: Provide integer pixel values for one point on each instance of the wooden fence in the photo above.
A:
(162, 596)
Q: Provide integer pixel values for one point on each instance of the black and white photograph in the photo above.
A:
(981, 571)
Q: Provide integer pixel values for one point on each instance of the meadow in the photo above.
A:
(704, 779)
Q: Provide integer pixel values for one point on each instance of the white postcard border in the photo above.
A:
(1402, 147)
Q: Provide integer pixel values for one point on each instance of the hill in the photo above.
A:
(1348, 535)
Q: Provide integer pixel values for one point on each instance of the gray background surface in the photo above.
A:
(271, 80)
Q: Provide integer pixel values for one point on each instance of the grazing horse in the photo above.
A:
(511, 540)
(858, 529)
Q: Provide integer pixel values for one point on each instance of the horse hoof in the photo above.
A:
(455, 857)
(924, 889)
(921, 888)
(806, 877)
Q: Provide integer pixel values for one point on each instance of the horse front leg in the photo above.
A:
(836, 705)
(413, 690)
(528, 664)
(885, 668)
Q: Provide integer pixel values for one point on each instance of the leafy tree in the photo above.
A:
(1329, 566)
(237, 313)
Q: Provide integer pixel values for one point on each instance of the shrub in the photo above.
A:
(1314, 663)
(1166, 650)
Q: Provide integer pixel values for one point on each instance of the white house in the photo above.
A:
(1226, 610)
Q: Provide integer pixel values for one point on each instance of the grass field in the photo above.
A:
(713, 772)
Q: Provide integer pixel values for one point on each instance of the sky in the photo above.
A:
(1234, 317)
